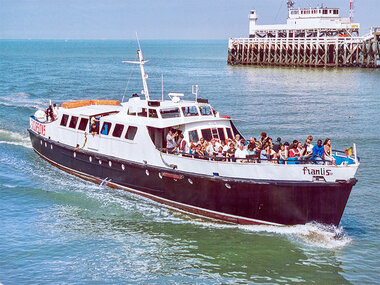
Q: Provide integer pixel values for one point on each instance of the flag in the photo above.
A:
(348, 151)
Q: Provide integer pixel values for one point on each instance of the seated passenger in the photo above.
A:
(241, 153)
(277, 144)
(231, 151)
(264, 138)
(220, 154)
(327, 148)
(192, 149)
(200, 151)
(283, 154)
(318, 153)
(265, 154)
(308, 149)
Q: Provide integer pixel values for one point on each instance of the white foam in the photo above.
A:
(14, 138)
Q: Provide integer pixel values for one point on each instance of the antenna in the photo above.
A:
(351, 11)
(290, 4)
(194, 90)
(162, 87)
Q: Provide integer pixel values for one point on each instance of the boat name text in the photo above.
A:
(37, 127)
(322, 171)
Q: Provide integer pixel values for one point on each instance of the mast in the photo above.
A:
(144, 76)
(351, 11)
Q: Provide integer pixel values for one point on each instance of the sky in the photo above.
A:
(155, 19)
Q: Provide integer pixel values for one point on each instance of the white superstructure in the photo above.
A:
(306, 22)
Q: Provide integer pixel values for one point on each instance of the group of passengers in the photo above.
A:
(262, 150)
(51, 113)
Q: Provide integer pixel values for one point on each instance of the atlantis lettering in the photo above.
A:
(322, 171)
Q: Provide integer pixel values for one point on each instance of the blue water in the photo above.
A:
(55, 228)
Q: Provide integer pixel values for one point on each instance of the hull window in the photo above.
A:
(83, 124)
(118, 130)
(73, 122)
(106, 128)
(64, 120)
(131, 133)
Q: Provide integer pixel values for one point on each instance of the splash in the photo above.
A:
(23, 100)
(14, 138)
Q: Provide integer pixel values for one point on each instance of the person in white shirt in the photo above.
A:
(170, 140)
(241, 152)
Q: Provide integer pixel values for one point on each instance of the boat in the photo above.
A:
(123, 145)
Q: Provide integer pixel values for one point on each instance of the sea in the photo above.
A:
(59, 229)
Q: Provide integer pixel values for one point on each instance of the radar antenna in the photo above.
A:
(290, 4)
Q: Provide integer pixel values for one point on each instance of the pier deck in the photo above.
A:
(309, 52)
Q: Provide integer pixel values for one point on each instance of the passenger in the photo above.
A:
(181, 145)
(328, 151)
(237, 140)
(170, 140)
(220, 154)
(211, 148)
(201, 141)
(193, 149)
(276, 145)
(308, 149)
(49, 114)
(93, 129)
(283, 154)
(231, 151)
(263, 140)
(265, 154)
(294, 153)
(241, 153)
(318, 153)
(55, 111)
(200, 151)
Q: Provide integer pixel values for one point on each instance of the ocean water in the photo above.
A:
(56, 228)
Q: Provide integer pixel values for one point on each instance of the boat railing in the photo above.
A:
(340, 158)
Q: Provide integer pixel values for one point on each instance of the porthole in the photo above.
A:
(100, 162)
(122, 167)
(41, 142)
(90, 158)
(160, 175)
(147, 172)
(45, 144)
(51, 146)
(75, 154)
(190, 181)
(228, 186)
(110, 163)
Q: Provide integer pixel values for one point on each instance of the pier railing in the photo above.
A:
(312, 52)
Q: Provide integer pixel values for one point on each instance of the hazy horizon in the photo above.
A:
(154, 20)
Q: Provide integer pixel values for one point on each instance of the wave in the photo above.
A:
(14, 138)
(23, 100)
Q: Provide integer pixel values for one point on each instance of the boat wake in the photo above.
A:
(23, 100)
(313, 234)
(14, 138)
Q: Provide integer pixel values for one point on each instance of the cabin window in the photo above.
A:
(336, 12)
(64, 120)
(324, 11)
(221, 134)
(205, 110)
(73, 122)
(131, 133)
(206, 134)
(190, 111)
(106, 128)
(118, 130)
(229, 133)
(153, 113)
(193, 136)
(143, 113)
(83, 124)
(170, 113)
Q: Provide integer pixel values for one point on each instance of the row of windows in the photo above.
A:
(84, 122)
(315, 11)
(208, 134)
(173, 112)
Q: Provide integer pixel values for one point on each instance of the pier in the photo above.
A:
(309, 52)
